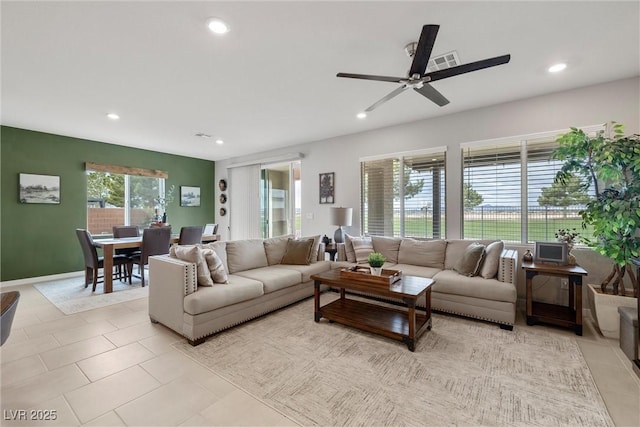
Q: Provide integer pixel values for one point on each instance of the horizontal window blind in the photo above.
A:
(491, 193)
(404, 196)
(509, 193)
(551, 206)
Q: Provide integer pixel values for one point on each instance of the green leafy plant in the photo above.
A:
(376, 260)
(614, 212)
(571, 236)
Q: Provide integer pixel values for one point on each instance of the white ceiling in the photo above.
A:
(271, 81)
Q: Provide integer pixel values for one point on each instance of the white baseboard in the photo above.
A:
(30, 280)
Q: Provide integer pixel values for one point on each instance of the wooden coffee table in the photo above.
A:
(397, 323)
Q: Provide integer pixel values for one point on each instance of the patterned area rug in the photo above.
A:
(463, 372)
(70, 295)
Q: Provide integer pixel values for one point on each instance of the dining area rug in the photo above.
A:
(463, 372)
(70, 296)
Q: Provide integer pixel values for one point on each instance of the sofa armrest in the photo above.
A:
(170, 280)
(342, 252)
(507, 271)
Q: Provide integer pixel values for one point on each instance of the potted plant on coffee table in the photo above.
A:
(376, 261)
(612, 165)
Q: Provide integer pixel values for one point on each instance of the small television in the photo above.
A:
(551, 252)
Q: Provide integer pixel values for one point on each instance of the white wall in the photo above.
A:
(618, 100)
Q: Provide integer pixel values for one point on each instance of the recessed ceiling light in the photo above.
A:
(113, 116)
(557, 67)
(219, 141)
(361, 115)
(217, 26)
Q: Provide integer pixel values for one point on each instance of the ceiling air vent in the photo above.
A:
(447, 60)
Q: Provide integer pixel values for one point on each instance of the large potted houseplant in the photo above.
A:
(610, 162)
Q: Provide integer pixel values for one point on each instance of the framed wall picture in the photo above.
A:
(39, 189)
(327, 188)
(189, 196)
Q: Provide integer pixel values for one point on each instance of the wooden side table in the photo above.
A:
(569, 316)
(332, 250)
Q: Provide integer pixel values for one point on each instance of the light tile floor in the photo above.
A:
(112, 367)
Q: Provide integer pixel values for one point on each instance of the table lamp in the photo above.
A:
(340, 217)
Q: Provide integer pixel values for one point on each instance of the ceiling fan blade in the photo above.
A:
(466, 68)
(430, 92)
(423, 51)
(371, 77)
(392, 94)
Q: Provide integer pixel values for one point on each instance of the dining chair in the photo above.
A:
(9, 304)
(155, 241)
(190, 235)
(93, 262)
(120, 231)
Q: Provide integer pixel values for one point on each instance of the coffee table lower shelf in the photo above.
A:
(378, 319)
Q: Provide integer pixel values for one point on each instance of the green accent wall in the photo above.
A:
(39, 239)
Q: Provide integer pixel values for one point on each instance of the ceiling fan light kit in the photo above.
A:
(418, 78)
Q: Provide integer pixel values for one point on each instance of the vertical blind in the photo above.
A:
(404, 196)
(244, 202)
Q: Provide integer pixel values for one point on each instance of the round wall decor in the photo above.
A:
(222, 184)
(223, 198)
(223, 211)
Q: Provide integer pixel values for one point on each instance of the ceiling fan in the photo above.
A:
(418, 79)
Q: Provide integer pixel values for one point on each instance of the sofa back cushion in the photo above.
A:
(387, 246)
(245, 255)
(455, 250)
(275, 248)
(426, 253)
(298, 252)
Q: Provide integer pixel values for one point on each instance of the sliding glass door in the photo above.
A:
(280, 199)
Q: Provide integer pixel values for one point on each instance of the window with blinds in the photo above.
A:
(551, 206)
(509, 193)
(491, 192)
(404, 196)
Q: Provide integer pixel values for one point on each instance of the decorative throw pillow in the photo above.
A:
(362, 248)
(348, 248)
(193, 254)
(471, 260)
(216, 268)
(298, 252)
(275, 248)
(491, 262)
(313, 256)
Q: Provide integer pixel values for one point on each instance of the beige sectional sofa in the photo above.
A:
(490, 295)
(258, 283)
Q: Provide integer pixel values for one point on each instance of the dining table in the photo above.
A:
(109, 247)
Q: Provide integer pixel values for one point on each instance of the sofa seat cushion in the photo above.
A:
(210, 298)
(415, 270)
(307, 270)
(273, 278)
(450, 282)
